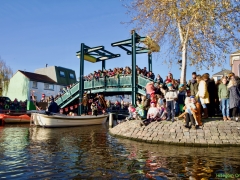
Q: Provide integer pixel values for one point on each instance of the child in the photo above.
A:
(171, 97)
(181, 97)
(152, 114)
(131, 111)
(139, 109)
(160, 100)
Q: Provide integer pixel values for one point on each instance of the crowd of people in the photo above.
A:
(201, 97)
(168, 99)
(116, 72)
(14, 106)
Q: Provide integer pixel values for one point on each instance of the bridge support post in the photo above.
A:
(103, 65)
(149, 62)
(110, 120)
(81, 82)
(134, 88)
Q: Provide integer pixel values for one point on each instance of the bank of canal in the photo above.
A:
(213, 133)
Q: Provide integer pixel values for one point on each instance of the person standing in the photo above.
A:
(203, 93)
(211, 88)
(223, 95)
(234, 98)
(171, 97)
(193, 84)
(53, 107)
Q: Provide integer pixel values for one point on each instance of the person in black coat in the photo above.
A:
(53, 107)
(211, 87)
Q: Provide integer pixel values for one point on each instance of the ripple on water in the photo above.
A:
(91, 153)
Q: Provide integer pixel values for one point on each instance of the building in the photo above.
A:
(25, 84)
(61, 75)
(220, 74)
(235, 62)
(43, 82)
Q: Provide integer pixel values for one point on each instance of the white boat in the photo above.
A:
(58, 120)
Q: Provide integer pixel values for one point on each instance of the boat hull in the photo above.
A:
(66, 121)
(16, 119)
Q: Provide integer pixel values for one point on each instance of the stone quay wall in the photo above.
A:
(213, 133)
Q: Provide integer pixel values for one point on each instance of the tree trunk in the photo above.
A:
(184, 64)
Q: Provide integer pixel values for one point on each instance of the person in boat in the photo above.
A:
(94, 109)
(85, 103)
(53, 107)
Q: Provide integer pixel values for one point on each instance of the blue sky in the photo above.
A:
(39, 32)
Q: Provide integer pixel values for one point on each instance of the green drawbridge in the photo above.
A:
(121, 84)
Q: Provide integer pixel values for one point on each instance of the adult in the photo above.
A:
(53, 107)
(202, 93)
(159, 79)
(193, 85)
(234, 98)
(146, 104)
(211, 88)
(189, 107)
(223, 95)
(85, 103)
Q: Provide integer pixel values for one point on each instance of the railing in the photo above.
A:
(107, 83)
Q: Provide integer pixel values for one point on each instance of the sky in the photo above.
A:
(40, 32)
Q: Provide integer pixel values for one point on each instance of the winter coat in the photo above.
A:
(194, 88)
(53, 107)
(181, 97)
(211, 88)
(171, 95)
(223, 92)
(203, 92)
(234, 97)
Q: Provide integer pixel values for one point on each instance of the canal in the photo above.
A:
(89, 152)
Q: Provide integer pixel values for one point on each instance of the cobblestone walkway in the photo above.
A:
(212, 133)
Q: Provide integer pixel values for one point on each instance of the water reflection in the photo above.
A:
(90, 153)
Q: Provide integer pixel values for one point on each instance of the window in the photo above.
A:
(48, 86)
(34, 84)
(62, 74)
(71, 75)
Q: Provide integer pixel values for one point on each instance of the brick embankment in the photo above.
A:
(212, 133)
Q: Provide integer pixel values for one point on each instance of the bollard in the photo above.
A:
(110, 120)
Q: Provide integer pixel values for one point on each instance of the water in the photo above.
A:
(89, 152)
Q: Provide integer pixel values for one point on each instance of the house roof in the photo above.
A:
(37, 77)
(223, 72)
(237, 52)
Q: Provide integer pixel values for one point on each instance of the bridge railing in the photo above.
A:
(120, 81)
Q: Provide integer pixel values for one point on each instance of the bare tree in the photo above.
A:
(5, 75)
(198, 33)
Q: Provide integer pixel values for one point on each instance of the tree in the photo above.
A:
(199, 33)
(5, 75)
